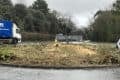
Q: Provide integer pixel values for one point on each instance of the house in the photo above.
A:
(75, 38)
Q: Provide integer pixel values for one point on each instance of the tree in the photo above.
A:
(20, 10)
(36, 21)
(19, 13)
(36, 18)
(6, 2)
(39, 21)
(105, 27)
(66, 25)
(5, 9)
(54, 27)
(116, 5)
(41, 5)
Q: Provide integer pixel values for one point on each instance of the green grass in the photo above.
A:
(5, 53)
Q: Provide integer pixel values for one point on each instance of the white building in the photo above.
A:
(75, 38)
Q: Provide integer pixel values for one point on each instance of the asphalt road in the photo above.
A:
(8, 73)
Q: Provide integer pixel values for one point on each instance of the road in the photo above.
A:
(8, 73)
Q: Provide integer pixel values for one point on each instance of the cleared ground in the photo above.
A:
(51, 54)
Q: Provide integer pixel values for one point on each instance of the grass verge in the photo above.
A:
(60, 55)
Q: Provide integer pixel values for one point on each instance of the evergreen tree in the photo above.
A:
(5, 9)
(40, 5)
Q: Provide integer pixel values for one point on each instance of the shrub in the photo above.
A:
(28, 36)
(5, 54)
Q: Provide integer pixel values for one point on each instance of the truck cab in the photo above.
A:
(16, 34)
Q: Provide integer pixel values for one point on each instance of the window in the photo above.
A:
(17, 30)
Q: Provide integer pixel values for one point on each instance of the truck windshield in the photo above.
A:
(18, 30)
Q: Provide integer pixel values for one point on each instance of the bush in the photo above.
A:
(5, 54)
(29, 36)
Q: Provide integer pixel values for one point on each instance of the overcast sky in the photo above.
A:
(81, 11)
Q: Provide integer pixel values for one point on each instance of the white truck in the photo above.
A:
(118, 44)
(9, 32)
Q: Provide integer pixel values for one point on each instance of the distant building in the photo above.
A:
(76, 38)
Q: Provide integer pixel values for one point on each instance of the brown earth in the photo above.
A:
(63, 55)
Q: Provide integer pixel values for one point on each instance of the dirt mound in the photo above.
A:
(69, 48)
(82, 50)
(55, 54)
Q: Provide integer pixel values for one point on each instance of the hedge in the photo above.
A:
(29, 36)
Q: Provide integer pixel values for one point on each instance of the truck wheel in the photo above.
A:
(14, 41)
